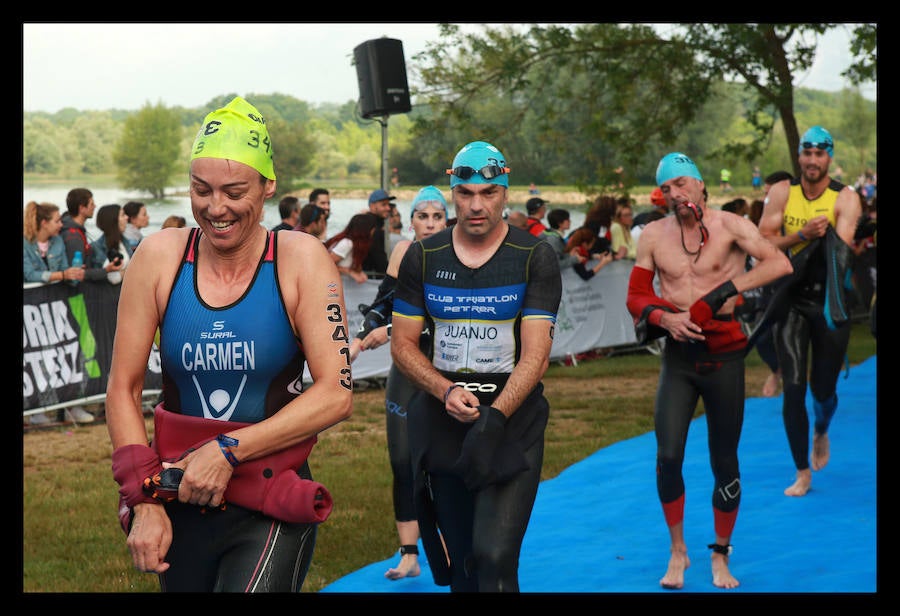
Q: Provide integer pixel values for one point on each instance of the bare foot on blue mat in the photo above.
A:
(801, 486)
(408, 567)
(821, 451)
(674, 577)
(722, 577)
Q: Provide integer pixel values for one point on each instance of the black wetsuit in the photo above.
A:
(690, 372)
(398, 391)
(475, 316)
(807, 324)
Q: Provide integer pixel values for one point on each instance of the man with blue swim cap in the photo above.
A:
(489, 293)
(676, 165)
(814, 219)
(698, 256)
(816, 137)
(479, 163)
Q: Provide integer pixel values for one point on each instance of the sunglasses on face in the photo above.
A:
(808, 145)
(488, 172)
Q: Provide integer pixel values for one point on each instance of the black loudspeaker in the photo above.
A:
(381, 70)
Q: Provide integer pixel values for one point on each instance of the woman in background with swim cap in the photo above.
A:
(239, 310)
(428, 215)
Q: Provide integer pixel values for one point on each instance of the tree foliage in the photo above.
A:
(147, 155)
(589, 105)
(627, 91)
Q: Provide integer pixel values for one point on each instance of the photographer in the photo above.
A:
(110, 251)
(594, 252)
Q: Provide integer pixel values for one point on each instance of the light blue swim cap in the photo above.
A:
(478, 155)
(429, 195)
(817, 137)
(676, 165)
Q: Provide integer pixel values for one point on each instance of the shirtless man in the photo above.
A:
(698, 255)
(797, 212)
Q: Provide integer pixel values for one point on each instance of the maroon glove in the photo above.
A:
(704, 308)
(131, 464)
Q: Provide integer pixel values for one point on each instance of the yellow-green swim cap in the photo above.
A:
(238, 132)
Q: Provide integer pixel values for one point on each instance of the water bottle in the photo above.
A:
(77, 260)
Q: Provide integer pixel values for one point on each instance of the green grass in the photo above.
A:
(72, 541)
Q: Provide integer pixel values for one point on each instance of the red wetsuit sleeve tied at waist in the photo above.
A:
(269, 484)
(646, 309)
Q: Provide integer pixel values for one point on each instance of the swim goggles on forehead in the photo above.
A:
(421, 205)
(488, 172)
(824, 145)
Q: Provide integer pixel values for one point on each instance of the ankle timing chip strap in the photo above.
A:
(724, 550)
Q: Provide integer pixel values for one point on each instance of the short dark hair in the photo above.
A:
(557, 217)
(76, 198)
(777, 176)
(287, 206)
(132, 208)
(315, 192)
(310, 214)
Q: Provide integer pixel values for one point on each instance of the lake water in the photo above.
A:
(341, 209)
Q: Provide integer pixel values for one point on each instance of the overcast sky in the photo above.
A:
(127, 65)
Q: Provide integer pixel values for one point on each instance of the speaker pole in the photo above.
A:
(384, 154)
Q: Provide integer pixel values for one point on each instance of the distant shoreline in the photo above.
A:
(561, 197)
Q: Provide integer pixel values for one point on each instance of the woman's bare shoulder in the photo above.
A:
(169, 241)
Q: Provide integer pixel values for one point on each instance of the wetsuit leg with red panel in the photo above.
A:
(690, 372)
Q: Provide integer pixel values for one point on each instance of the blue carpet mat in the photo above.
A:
(598, 527)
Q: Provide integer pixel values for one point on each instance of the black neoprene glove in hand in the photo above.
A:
(475, 462)
(704, 308)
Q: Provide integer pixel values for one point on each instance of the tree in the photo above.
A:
(292, 153)
(96, 134)
(40, 151)
(621, 91)
(766, 57)
(147, 155)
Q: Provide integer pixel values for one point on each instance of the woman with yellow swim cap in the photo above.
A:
(239, 309)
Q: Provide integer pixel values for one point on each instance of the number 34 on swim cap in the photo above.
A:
(237, 132)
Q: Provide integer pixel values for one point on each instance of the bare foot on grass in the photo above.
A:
(674, 577)
(722, 577)
(821, 451)
(801, 486)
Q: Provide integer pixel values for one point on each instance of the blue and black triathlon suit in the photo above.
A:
(475, 316)
(240, 362)
(805, 325)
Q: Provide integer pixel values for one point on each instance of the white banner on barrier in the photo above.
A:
(592, 315)
(68, 332)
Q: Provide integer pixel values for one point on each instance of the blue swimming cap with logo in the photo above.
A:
(819, 136)
(676, 165)
(479, 154)
(429, 195)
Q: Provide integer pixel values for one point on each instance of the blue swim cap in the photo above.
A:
(676, 165)
(480, 155)
(430, 195)
(817, 137)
